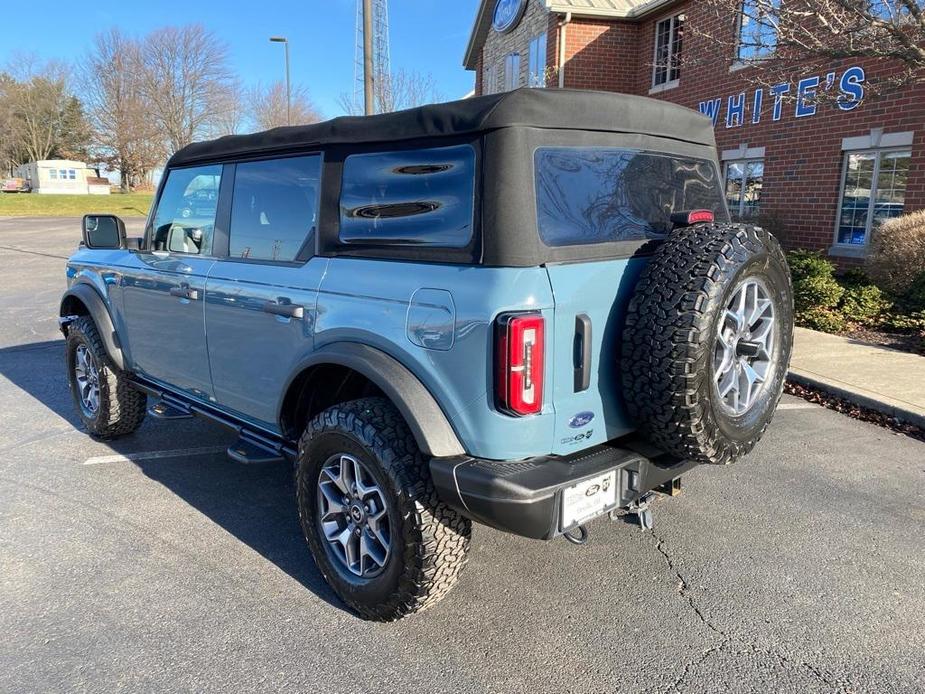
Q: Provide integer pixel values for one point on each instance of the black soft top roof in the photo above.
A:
(556, 109)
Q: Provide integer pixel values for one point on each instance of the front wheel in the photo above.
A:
(380, 536)
(106, 403)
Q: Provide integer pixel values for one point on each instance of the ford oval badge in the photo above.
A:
(580, 420)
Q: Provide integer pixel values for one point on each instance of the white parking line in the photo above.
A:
(153, 455)
(796, 406)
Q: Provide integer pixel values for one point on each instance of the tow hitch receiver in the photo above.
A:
(641, 508)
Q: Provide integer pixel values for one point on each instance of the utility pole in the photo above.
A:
(283, 40)
(368, 67)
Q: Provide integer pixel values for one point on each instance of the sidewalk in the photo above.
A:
(882, 379)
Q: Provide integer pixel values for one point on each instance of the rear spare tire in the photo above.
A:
(707, 341)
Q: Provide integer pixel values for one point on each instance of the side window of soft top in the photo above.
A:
(184, 221)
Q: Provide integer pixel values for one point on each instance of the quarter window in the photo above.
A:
(275, 208)
(511, 71)
(669, 35)
(185, 218)
(537, 61)
(757, 30)
(421, 197)
(873, 190)
(744, 180)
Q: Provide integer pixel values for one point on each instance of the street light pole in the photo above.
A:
(368, 91)
(283, 40)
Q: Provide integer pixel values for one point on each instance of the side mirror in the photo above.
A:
(103, 231)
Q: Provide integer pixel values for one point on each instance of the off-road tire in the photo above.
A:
(670, 335)
(121, 407)
(429, 540)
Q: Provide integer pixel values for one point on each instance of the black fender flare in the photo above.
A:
(96, 307)
(424, 416)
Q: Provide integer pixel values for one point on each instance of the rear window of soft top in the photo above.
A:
(588, 196)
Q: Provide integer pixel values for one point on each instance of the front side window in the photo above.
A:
(422, 197)
(184, 221)
(873, 190)
(669, 35)
(537, 64)
(587, 196)
(511, 71)
(757, 30)
(274, 211)
(744, 180)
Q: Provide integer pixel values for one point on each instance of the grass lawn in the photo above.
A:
(33, 205)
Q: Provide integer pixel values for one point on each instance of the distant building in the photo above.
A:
(62, 176)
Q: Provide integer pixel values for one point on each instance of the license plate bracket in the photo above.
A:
(588, 499)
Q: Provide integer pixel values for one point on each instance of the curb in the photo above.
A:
(897, 412)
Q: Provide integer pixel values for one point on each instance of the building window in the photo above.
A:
(490, 79)
(744, 179)
(873, 190)
(72, 174)
(53, 174)
(666, 68)
(511, 71)
(537, 62)
(757, 30)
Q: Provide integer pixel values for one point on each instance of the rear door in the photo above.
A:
(261, 296)
(163, 290)
(589, 196)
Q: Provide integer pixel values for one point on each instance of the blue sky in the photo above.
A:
(427, 35)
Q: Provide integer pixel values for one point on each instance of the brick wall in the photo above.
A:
(803, 156)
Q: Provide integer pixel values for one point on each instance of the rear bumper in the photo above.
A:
(524, 497)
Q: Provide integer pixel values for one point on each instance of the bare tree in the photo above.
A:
(186, 81)
(41, 116)
(404, 89)
(125, 138)
(775, 36)
(268, 106)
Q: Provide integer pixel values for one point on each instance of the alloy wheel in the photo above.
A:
(744, 357)
(353, 516)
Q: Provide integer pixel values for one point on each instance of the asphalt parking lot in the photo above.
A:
(155, 563)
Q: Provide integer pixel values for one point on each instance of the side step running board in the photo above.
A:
(167, 409)
(247, 451)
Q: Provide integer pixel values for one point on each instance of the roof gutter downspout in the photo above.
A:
(562, 33)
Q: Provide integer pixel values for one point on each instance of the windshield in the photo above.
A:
(587, 196)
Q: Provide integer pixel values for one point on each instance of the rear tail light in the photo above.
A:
(691, 217)
(520, 363)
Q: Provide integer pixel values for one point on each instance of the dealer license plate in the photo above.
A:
(588, 499)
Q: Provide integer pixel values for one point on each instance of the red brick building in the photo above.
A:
(821, 173)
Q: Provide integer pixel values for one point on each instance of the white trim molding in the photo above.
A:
(743, 151)
(877, 139)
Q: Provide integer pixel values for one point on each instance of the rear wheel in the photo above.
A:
(707, 341)
(380, 536)
(106, 403)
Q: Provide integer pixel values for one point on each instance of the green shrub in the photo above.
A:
(816, 291)
(854, 277)
(914, 298)
(907, 323)
(826, 320)
(804, 264)
(863, 303)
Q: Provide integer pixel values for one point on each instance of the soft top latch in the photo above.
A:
(690, 217)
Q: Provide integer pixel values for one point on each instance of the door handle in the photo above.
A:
(582, 352)
(284, 309)
(184, 292)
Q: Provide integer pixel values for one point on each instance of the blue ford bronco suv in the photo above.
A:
(525, 310)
